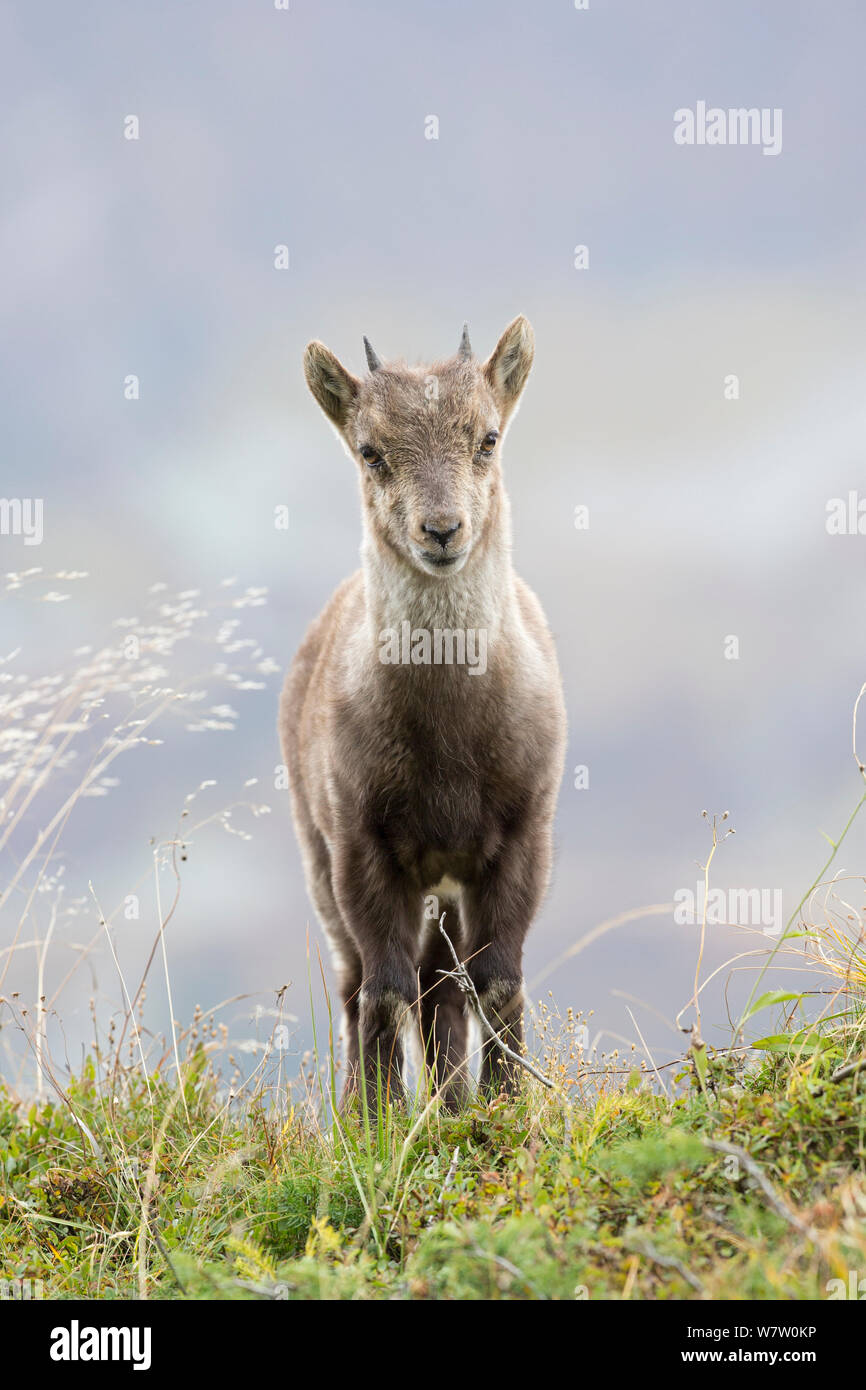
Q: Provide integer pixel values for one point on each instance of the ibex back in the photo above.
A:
(422, 720)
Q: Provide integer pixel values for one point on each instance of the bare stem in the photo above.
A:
(780, 1207)
(462, 977)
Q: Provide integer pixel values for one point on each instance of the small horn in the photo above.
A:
(372, 360)
(465, 348)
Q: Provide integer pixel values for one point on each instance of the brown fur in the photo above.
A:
(406, 775)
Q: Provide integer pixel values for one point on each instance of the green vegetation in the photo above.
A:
(131, 1185)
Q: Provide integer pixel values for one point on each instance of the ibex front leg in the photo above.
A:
(381, 915)
(497, 913)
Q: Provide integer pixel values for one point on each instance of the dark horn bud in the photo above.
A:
(372, 360)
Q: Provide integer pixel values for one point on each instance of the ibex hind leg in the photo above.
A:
(345, 955)
(497, 912)
(442, 1015)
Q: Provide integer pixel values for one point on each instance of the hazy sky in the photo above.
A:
(154, 257)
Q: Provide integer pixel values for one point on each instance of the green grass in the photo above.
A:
(131, 1186)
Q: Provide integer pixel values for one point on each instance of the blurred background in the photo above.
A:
(154, 257)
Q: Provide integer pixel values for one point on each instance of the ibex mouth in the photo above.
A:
(441, 561)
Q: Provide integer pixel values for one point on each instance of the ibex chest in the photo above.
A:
(439, 767)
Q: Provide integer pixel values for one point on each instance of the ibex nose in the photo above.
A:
(442, 531)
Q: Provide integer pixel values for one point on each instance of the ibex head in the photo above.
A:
(427, 441)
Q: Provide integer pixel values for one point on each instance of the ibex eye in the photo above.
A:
(371, 456)
(488, 443)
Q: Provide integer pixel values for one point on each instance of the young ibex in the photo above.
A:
(413, 773)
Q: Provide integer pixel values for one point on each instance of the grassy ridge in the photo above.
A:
(142, 1188)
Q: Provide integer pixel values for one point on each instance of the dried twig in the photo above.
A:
(451, 1174)
(274, 1291)
(850, 1069)
(509, 1268)
(840, 1074)
(643, 1247)
(646, 1050)
(780, 1207)
(462, 977)
(165, 1255)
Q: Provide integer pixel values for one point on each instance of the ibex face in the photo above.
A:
(427, 442)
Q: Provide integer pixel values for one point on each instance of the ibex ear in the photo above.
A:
(509, 364)
(333, 387)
